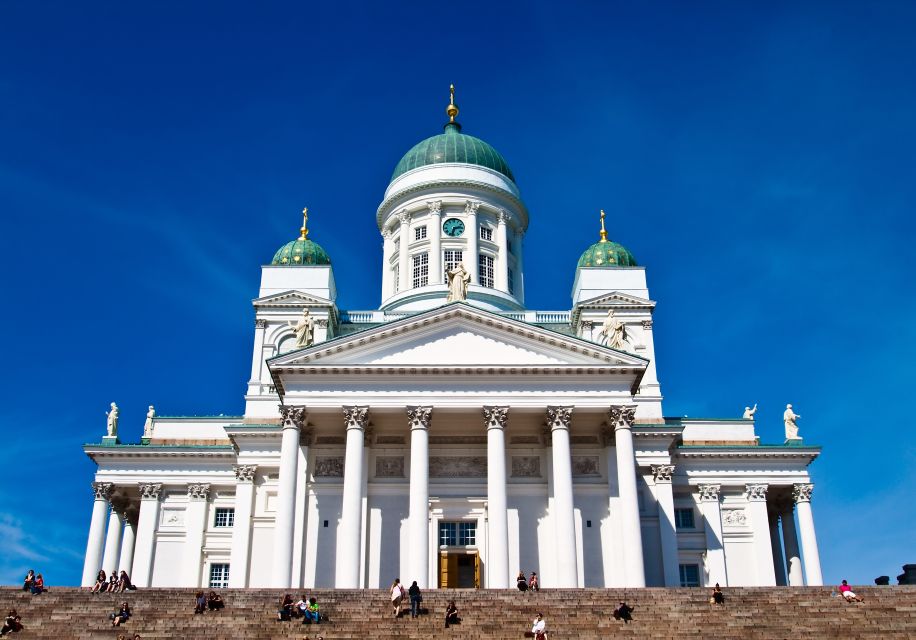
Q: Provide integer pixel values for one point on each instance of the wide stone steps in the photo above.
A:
(661, 614)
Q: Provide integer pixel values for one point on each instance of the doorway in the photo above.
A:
(459, 569)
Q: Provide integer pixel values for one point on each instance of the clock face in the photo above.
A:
(453, 227)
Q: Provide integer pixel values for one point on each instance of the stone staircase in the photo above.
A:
(662, 614)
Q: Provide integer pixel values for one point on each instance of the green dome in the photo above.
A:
(453, 146)
(606, 253)
(299, 252)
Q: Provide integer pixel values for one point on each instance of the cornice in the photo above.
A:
(159, 451)
(750, 451)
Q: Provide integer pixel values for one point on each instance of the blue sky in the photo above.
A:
(758, 159)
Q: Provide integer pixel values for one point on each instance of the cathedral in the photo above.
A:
(452, 436)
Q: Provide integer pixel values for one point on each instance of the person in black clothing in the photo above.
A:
(717, 596)
(29, 580)
(12, 623)
(521, 581)
(214, 602)
(119, 618)
(415, 599)
(623, 612)
(451, 614)
(285, 611)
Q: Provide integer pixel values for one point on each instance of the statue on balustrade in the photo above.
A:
(113, 420)
(791, 420)
(458, 279)
(749, 413)
(148, 425)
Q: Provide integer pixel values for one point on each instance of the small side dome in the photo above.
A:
(606, 253)
(301, 251)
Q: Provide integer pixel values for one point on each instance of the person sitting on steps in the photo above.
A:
(12, 624)
(533, 584)
(624, 612)
(521, 581)
(38, 586)
(112, 583)
(717, 596)
(311, 612)
(848, 595)
(101, 583)
(124, 582)
(122, 615)
(539, 627)
(451, 614)
(200, 602)
(285, 612)
(214, 601)
(29, 580)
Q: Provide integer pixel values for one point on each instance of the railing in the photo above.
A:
(533, 317)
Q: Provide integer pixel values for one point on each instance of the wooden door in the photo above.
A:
(476, 569)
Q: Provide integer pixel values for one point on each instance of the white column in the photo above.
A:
(293, 420)
(387, 273)
(712, 524)
(502, 243)
(434, 233)
(418, 520)
(519, 267)
(790, 541)
(351, 515)
(126, 561)
(776, 548)
(239, 560)
(112, 541)
(801, 493)
(756, 495)
(95, 544)
(664, 495)
(558, 421)
(146, 533)
(622, 418)
(257, 356)
(497, 508)
(473, 234)
(195, 524)
(404, 274)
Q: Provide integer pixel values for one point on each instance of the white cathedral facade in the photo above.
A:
(452, 439)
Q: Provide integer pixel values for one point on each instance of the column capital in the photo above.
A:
(756, 492)
(294, 417)
(709, 492)
(802, 492)
(662, 472)
(496, 417)
(245, 472)
(471, 206)
(200, 491)
(559, 418)
(419, 417)
(150, 490)
(501, 216)
(387, 233)
(260, 323)
(435, 206)
(404, 216)
(622, 416)
(103, 490)
(356, 417)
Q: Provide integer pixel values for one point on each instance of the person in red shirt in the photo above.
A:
(39, 585)
(846, 592)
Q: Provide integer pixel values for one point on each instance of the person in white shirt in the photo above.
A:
(538, 627)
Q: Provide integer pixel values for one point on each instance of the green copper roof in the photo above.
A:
(453, 146)
(301, 252)
(606, 253)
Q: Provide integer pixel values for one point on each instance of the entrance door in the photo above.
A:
(459, 570)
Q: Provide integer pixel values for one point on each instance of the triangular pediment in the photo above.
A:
(616, 300)
(291, 299)
(457, 335)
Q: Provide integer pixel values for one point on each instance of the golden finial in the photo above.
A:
(452, 109)
(303, 231)
(603, 232)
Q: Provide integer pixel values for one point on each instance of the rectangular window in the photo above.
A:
(683, 519)
(224, 517)
(451, 258)
(690, 575)
(219, 576)
(511, 281)
(461, 534)
(486, 233)
(419, 233)
(420, 270)
(485, 270)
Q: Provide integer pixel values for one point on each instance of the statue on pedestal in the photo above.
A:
(614, 332)
(458, 279)
(790, 418)
(749, 413)
(148, 425)
(305, 329)
(113, 421)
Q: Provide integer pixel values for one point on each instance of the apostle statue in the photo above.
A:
(148, 425)
(113, 421)
(614, 332)
(790, 418)
(749, 413)
(458, 279)
(305, 329)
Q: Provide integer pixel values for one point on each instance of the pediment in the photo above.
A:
(616, 300)
(461, 336)
(291, 299)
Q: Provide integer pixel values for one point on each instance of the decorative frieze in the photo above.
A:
(734, 517)
(198, 491)
(389, 466)
(585, 466)
(457, 467)
(662, 472)
(756, 492)
(525, 440)
(457, 439)
(419, 417)
(802, 492)
(496, 417)
(102, 490)
(583, 440)
(622, 416)
(293, 416)
(150, 490)
(172, 518)
(526, 466)
(330, 440)
(329, 467)
(389, 440)
(245, 472)
(709, 492)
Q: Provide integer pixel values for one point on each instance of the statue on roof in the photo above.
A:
(614, 332)
(113, 420)
(305, 329)
(790, 418)
(458, 279)
(148, 425)
(749, 413)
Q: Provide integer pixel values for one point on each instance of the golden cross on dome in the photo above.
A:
(303, 231)
(452, 109)
(603, 232)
